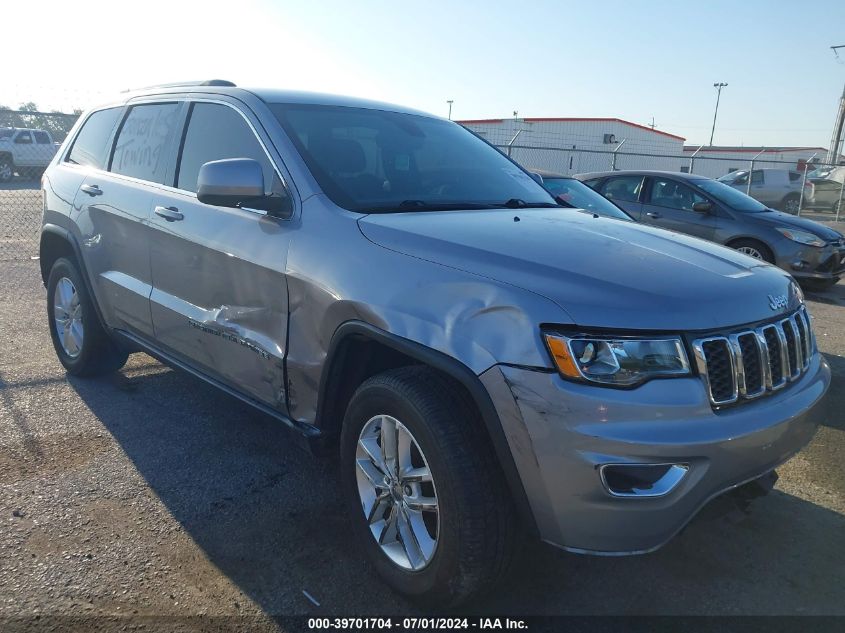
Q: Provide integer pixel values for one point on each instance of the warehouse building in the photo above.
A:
(575, 145)
(717, 160)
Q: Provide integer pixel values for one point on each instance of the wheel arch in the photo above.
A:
(359, 350)
(749, 238)
(58, 242)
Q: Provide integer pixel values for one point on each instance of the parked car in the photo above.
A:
(827, 184)
(572, 193)
(776, 188)
(25, 151)
(812, 252)
(485, 365)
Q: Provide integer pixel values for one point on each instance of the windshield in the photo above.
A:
(576, 194)
(372, 160)
(730, 197)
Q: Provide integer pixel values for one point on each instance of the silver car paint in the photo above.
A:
(255, 301)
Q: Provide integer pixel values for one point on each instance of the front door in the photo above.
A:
(219, 297)
(668, 204)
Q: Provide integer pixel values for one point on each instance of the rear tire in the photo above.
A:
(84, 348)
(754, 249)
(791, 204)
(7, 169)
(474, 528)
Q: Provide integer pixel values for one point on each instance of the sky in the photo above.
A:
(632, 60)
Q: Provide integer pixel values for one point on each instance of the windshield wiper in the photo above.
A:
(422, 205)
(518, 203)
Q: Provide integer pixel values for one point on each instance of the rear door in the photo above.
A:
(219, 297)
(668, 205)
(111, 208)
(110, 212)
(625, 191)
(24, 149)
(44, 147)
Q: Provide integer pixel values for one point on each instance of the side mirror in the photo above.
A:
(238, 182)
(537, 178)
(702, 207)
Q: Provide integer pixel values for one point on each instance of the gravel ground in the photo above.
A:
(150, 492)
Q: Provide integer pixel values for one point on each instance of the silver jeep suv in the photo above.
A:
(486, 366)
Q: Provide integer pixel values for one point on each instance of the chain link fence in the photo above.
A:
(817, 187)
(29, 139)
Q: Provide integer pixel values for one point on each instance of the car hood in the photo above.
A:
(779, 218)
(602, 272)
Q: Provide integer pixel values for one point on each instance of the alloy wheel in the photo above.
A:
(67, 313)
(397, 492)
(750, 251)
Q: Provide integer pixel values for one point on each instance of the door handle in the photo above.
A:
(653, 214)
(92, 190)
(171, 214)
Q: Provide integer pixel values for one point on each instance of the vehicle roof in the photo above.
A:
(640, 172)
(549, 174)
(273, 95)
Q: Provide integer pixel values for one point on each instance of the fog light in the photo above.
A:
(642, 480)
(800, 264)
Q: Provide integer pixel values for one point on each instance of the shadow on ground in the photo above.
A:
(269, 517)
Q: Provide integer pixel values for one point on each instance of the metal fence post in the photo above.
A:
(751, 171)
(613, 162)
(510, 144)
(692, 158)
(804, 183)
(839, 204)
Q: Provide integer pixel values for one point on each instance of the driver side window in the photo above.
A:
(673, 195)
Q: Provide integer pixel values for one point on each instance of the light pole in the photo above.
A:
(450, 102)
(718, 87)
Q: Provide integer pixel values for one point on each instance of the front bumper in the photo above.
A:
(811, 262)
(562, 433)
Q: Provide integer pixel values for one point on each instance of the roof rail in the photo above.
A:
(179, 84)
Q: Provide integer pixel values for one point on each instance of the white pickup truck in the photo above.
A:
(25, 151)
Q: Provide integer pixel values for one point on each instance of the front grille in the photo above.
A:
(750, 363)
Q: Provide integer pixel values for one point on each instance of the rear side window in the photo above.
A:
(625, 188)
(756, 177)
(142, 142)
(216, 132)
(42, 138)
(89, 147)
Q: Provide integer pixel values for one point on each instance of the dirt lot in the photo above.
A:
(151, 493)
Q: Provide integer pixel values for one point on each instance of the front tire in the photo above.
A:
(82, 345)
(439, 525)
(754, 249)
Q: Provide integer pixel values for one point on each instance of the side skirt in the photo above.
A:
(304, 435)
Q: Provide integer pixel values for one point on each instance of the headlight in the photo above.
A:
(617, 361)
(802, 237)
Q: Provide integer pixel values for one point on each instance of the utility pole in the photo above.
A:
(718, 87)
(839, 124)
(652, 126)
(450, 102)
